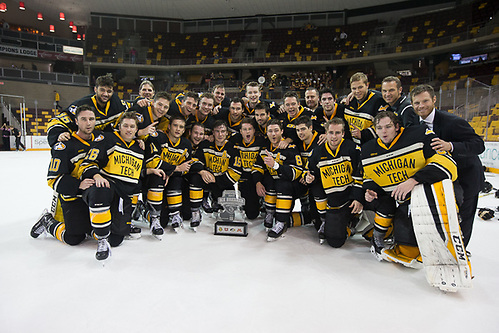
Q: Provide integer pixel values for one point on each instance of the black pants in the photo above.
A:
(252, 200)
(19, 143)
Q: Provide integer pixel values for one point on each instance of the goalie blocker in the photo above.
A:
(436, 226)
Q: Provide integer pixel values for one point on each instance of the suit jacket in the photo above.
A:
(467, 146)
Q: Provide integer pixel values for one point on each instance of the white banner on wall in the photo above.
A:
(490, 157)
(37, 142)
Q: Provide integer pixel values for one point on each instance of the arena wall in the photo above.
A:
(43, 93)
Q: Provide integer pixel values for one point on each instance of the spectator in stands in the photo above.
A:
(6, 137)
(133, 55)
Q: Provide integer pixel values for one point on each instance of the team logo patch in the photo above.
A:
(99, 138)
(140, 118)
(72, 109)
(383, 108)
(155, 134)
(59, 146)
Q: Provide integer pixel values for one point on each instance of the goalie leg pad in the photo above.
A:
(436, 225)
(403, 254)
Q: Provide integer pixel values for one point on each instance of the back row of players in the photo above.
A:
(181, 153)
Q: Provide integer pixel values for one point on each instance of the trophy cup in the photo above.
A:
(230, 201)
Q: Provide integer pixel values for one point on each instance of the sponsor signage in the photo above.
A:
(59, 56)
(72, 50)
(490, 157)
(20, 51)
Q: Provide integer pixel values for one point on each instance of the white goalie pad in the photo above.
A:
(436, 225)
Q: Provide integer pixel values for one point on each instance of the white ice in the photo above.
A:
(198, 282)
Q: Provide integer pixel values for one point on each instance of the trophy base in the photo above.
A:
(231, 228)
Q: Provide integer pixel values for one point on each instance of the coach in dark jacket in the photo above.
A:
(456, 136)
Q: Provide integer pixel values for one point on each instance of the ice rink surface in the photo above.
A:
(198, 282)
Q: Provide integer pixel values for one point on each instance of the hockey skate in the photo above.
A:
(156, 229)
(276, 232)
(377, 244)
(103, 249)
(135, 233)
(206, 204)
(39, 227)
(322, 235)
(139, 212)
(196, 219)
(176, 221)
(268, 221)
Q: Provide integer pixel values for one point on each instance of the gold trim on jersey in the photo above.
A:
(96, 105)
(371, 94)
(333, 114)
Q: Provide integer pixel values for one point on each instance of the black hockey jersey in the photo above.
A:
(105, 118)
(338, 172)
(162, 153)
(248, 152)
(361, 115)
(289, 160)
(207, 122)
(404, 110)
(409, 155)
(290, 127)
(115, 160)
(64, 169)
(307, 150)
(220, 161)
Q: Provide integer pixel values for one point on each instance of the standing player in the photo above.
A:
(262, 117)
(203, 114)
(150, 115)
(221, 101)
(253, 97)
(331, 109)
(293, 111)
(108, 108)
(234, 116)
(312, 99)
(361, 111)
(391, 89)
(115, 163)
(393, 165)
(335, 172)
(63, 176)
(249, 147)
(184, 105)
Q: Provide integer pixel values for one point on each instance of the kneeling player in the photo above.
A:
(171, 153)
(115, 163)
(63, 177)
(217, 167)
(336, 174)
(249, 147)
(393, 165)
(276, 173)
